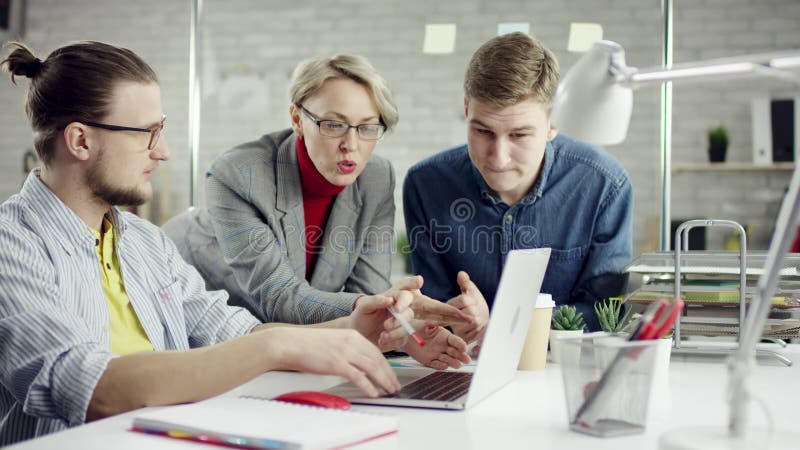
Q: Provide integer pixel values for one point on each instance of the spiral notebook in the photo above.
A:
(254, 422)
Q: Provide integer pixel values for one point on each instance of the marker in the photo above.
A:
(407, 326)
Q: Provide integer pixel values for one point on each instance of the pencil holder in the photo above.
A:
(607, 382)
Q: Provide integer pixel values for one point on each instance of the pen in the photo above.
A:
(222, 439)
(407, 326)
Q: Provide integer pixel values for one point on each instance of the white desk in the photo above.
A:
(526, 414)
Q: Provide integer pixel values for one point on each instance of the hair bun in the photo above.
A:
(33, 68)
(22, 62)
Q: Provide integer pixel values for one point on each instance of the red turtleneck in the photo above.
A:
(318, 195)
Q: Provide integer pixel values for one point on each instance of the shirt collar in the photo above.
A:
(47, 205)
(486, 192)
(536, 191)
(544, 174)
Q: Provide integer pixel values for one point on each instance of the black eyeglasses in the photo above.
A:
(155, 131)
(334, 128)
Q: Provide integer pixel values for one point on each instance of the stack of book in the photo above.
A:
(710, 286)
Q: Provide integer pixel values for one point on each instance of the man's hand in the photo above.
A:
(442, 348)
(333, 352)
(372, 319)
(428, 309)
(473, 305)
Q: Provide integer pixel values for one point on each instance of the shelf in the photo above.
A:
(705, 262)
(731, 167)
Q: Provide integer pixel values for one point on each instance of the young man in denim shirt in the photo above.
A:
(517, 184)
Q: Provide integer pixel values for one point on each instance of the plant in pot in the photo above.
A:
(717, 144)
(608, 314)
(567, 322)
(612, 320)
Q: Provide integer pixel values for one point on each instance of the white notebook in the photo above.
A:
(253, 422)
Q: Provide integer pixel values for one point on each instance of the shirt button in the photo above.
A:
(509, 218)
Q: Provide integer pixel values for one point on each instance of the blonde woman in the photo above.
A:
(299, 223)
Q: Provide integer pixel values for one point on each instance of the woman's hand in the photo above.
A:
(372, 319)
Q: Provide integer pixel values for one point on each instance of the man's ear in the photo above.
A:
(466, 107)
(294, 115)
(552, 132)
(77, 141)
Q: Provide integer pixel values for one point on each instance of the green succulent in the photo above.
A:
(608, 314)
(566, 317)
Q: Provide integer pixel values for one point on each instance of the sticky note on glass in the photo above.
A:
(511, 27)
(583, 35)
(440, 38)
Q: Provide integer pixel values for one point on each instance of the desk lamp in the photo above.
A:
(594, 102)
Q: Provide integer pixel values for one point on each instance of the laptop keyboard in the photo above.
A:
(439, 386)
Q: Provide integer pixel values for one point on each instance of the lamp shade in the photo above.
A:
(592, 103)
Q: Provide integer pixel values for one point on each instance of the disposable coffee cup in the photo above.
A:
(534, 353)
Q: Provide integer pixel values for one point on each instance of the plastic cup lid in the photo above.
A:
(545, 301)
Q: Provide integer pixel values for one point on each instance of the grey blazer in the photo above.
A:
(250, 240)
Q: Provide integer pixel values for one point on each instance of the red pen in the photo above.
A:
(647, 317)
(663, 320)
(407, 326)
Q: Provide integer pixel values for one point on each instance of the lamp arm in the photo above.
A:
(773, 64)
(759, 312)
(775, 72)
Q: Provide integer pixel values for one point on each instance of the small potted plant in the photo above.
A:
(567, 322)
(717, 144)
(608, 314)
(612, 320)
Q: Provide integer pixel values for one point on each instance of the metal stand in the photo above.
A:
(682, 245)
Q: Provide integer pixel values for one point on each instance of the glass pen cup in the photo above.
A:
(607, 382)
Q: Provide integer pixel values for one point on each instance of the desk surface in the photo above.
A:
(528, 413)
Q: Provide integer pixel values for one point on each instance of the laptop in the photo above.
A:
(500, 352)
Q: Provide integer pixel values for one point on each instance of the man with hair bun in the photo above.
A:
(99, 314)
(517, 184)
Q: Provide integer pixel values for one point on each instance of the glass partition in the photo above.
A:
(250, 48)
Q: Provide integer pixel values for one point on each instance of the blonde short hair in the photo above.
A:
(511, 68)
(311, 74)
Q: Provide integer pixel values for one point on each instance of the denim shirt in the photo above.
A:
(580, 206)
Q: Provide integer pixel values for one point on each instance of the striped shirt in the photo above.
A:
(54, 323)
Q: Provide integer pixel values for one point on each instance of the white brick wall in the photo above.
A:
(251, 47)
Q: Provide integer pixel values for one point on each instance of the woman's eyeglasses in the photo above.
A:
(334, 128)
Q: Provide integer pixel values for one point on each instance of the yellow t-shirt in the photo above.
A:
(126, 333)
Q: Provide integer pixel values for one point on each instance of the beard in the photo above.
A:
(99, 182)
